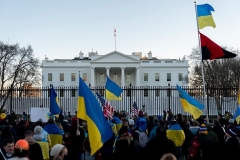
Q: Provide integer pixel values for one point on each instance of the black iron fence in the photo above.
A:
(152, 100)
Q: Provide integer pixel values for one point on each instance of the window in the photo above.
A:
(145, 77)
(61, 92)
(84, 77)
(73, 76)
(180, 77)
(49, 76)
(61, 76)
(73, 93)
(115, 77)
(157, 77)
(101, 77)
(168, 76)
(129, 77)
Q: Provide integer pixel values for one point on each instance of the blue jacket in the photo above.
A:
(116, 120)
(141, 124)
(52, 129)
(153, 132)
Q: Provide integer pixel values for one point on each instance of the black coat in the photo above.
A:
(157, 147)
(76, 145)
(208, 147)
(230, 149)
(124, 151)
(35, 152)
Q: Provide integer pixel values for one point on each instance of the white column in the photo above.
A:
(137, 76)
(122, 77)
(107, 71)
(92, 76)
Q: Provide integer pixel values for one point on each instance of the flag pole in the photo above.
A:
(200, 50)
(115, 37)
(77, 131)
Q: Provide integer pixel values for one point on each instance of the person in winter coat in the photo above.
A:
(52, 128)
(159, 145)
(126, 148)
(141, 123)
(21, 150)
(176, 134)
(59, 152)
(7, 149)
(76, 146)
(231, 145)
(207, 145)
(211, 134)
(217, 128)
(38, 134)
(34, 147)
(153, 130)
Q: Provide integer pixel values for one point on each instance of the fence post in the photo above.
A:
(207, 101)
(130, 94)
(11, 89)
(169, 94)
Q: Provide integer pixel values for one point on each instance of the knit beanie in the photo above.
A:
(38, 130)
(22, 145)
(156, 122)
(56, 150)
(232, 132)
(203, 129)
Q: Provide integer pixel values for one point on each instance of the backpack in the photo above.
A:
(141, 138)
(194, 151)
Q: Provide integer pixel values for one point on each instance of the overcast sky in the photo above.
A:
(60, 29)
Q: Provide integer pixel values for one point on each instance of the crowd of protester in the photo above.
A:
(138, 137)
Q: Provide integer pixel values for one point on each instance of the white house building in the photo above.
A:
(122, 68)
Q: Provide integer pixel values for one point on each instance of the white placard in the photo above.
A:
(37, 113)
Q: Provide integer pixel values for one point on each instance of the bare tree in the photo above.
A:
(18, 66)
(219, 74)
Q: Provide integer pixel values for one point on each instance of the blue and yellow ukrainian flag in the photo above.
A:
(89, 110)
(189, 104)
(54, 103)
(113, 91)
(205, 16)
(237, 112)
(176, 134)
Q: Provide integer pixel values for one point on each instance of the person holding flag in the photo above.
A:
(107, 108)
(54, 103)
(88, 109)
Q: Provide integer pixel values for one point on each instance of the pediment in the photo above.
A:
(115, 57)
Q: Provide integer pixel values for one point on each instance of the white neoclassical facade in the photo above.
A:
(122, 68)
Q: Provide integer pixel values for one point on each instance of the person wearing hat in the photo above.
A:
(38, 136)
(177, 135)
(58, 152)
(21, 150)
(230, 147)
(208, 146)
(141, 123)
